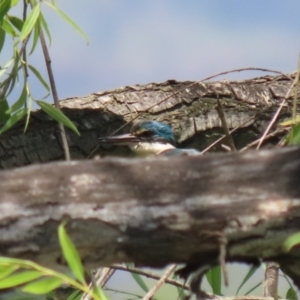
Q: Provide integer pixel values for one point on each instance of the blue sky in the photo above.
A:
(151, 41)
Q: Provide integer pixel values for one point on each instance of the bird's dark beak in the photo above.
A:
(124, 139)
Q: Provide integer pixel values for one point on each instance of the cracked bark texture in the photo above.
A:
(156, 211)
(191, 113)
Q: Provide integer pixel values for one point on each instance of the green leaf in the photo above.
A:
(139, 280)
(291, 242)
(76, 295)
(254, 288)
(70, 254)
(14, 3)
(36, 35)
(70, 21)
(17, 22)
(43, 286)
(3, 108)
(214, 279)
(8, 28)
(291, 294)
(57, 115)
(13, 119)
(30, 22)
(251, 271)
(5, 68)
(39, 77)
(2, 38)
(20, 102)
(45, 26)
(97, 291)
(29, 105)
(7, 270)
(4, 8)
(19, 278)
(294, 135)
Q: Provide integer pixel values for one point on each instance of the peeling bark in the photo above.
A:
(191, 112)
(156, 211)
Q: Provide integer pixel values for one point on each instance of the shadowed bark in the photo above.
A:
(191, 112)
(156, 211)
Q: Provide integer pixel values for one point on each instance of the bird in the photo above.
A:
(148, 138)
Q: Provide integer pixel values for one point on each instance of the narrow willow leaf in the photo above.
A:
(290, 122)
(4, 8)
(19, 278)
(57, 115)
(4, 69)
(214, 279)
(291, 241)
(20, 102)
(39, 77)
(139, 280)
(254, 288)
(36, 35)
(251, 271)
(76, 295)
(293, 137)
(3, 109)
(30, 22)
(98, 292)
(7, 270)
(17, 22)
(8, 28)
(291, 294)
(14, 2)
(29, 105)
(69, 20)
(70, 254)
(13, 119)
(2, 38)
(45, 26)
(42, 286)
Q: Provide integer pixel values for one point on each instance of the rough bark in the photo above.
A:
(191, 112)
(156, 211)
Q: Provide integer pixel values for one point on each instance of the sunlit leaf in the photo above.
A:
(42, 286)
(290, 122)
(214, 279)
(30, 22)
(69, 20)
(2, 38)
(4, 8)
(291, 294)
(8, 28)
(7, 270)
(293, 137)
(45, 26)
(57, 115)
(253, 288)
(36, 35)
(76, 295)
(3, 108)
(139, 280)
(251, 271)
(14, 2)
(20, 102)
(13, 119)
(17, 22)
(4, 69)
(70, 254)
(19, 278)
(99, 292)
(291, 242)
(39, 77)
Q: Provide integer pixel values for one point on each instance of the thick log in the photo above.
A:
(190, 109)
(156, 211)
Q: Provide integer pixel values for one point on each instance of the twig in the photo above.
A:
(54, 93)
(159, 283)
(224, 125)
(271, 280)
(197, 82)
(150, 275)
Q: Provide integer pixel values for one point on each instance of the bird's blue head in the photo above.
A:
(146, 137)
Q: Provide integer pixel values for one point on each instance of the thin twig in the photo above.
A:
(159, 283)
(224, 125)
(54, 94)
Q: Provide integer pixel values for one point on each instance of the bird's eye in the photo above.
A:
(145, 134)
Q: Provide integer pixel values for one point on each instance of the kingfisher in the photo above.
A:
(150, 138)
